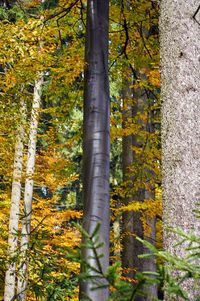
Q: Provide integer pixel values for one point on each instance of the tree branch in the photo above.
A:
(65, 11)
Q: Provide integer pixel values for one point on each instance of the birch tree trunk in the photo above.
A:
(10, 277)
(96, 142)
(28, 193)
(180, 95)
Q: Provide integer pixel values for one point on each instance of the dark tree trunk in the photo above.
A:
(131, 223)
(96, 142)
(135, 101)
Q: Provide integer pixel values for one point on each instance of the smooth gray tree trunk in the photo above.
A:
(149, 264)
(96, 142)
(180, 96)
(10, 277)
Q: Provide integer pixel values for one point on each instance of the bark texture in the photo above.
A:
(180, 76)
(28, 193)
(96, 141)
(10, 276)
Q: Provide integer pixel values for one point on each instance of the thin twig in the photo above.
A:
(65, 10)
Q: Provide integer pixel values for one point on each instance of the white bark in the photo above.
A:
(180, 75)
(26, 221)
(10, 276)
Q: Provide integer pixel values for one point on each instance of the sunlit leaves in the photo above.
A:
(133, 43)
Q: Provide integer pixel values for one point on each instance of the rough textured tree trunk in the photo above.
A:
(10, 276)
(28, 193)
(96, 140)
(180, 95)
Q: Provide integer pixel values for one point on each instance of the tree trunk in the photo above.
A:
(10, 276)
(136, 102)
(149, 264)
(96, 142)
(28, 193)
(131, 222)
(180, 95)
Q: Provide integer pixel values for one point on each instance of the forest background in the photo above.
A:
(42, 82)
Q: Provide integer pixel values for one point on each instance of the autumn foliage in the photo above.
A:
(57, 198)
